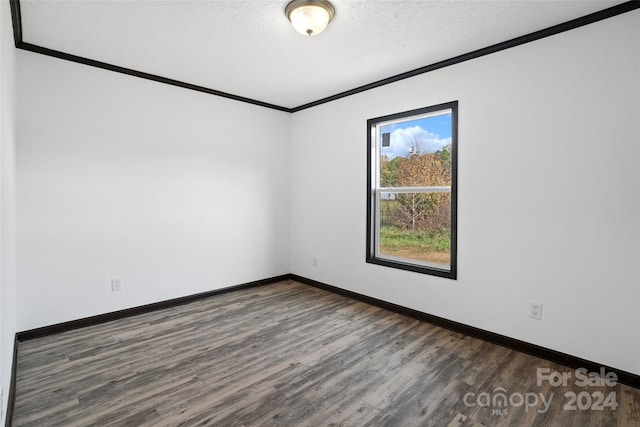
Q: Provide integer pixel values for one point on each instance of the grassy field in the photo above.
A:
(431, 246)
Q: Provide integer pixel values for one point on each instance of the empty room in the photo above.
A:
(320, 213)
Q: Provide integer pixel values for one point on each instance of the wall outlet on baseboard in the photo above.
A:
(535, 310)
(116, 284)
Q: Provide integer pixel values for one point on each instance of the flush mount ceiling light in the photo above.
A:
(310, 17)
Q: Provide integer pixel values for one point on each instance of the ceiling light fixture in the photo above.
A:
(310, 17)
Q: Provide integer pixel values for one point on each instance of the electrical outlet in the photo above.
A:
(116, 285)
(535, 310)
(314, 262)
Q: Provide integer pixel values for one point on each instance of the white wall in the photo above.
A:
(178, 192)
(175, 192)
(7, 203)
(549, 192)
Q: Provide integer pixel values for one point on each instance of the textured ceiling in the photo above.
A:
(249, 48)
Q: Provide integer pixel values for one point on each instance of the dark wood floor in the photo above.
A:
(291, 355)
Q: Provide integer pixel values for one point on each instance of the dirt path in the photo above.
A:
(417, 254)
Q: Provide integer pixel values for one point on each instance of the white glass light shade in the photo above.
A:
(310, 17)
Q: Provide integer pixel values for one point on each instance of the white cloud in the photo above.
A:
(402, 139)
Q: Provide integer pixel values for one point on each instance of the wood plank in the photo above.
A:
(629, 407)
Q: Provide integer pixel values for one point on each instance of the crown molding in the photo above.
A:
(537, 35)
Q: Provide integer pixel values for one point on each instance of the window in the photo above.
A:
(411, 200)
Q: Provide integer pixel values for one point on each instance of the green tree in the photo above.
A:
(417, 211)
(388, 171)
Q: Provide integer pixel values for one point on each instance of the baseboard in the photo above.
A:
(564, 359)
(120, 314)
(11, 397)
(568, 360)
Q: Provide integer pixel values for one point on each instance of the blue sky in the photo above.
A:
(432, 133)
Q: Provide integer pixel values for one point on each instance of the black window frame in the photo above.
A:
(372, 188)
